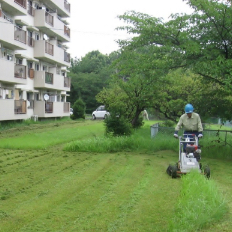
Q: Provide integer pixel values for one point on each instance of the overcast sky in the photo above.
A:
(93, 22)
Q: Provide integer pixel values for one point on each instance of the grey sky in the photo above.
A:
(93, 22)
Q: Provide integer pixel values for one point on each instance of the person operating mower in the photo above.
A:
(189, 148)
(191, 122)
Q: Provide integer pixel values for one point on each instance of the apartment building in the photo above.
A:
(34, 59)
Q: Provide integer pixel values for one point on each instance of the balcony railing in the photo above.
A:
(67, 31)
(20, 71)
(30, 41)
(67, 6)
(49, 19)
(48, 78)
(22, 3)
(49, 48)
(20, 35)
(66, 57)
(48, 107)
(67, 82)
(20, 107)
(66, 107)
(31, 10)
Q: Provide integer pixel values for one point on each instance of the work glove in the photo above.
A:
(176, 134)
(200, 135)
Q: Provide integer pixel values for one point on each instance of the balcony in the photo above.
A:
(20, 35)
(14, 7)
(8, 72)
(51, 25)
(50, 53)
(62, 6)
(51, 80)
(13, 109)
(51, 109)
(12, 37)
(20, 71)
(20, 107)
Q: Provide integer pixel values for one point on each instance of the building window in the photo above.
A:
(37, 67)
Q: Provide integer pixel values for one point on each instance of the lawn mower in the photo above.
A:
(189, 157)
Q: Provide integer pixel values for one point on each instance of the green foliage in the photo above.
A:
(117, 125)
(89, 75)
(167, 123)
(200, 203)
(199, 43)
(78, 109)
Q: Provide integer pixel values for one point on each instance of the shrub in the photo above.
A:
(168, 123)
(78, 109)
(117, 125)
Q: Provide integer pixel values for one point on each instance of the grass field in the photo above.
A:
(45, 188)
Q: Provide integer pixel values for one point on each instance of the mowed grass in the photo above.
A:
(51, 135)
(49, 189)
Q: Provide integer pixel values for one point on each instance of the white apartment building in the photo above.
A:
(33, 59)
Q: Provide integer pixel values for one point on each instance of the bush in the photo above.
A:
(168, 123)
(78, 109)
(117, 125)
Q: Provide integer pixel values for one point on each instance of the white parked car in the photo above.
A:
(100, 112)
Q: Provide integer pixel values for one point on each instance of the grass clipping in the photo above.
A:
(199, 205)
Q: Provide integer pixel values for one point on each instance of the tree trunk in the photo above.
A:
(136, 117)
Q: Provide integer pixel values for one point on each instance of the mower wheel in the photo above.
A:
(207, 172)
(172, 170)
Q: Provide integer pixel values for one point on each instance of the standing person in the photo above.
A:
(145, 115)
(191, 122)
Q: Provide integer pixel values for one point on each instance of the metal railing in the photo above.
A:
(31, 10)
(20, 35)
(49, 19)
(219, 137)
(20, 71)
(67, 6)
(66, 57)
(67, 31)
(66, 107)
(30, 41)
(22, 3)
(49, 48)
(48, 107)
(48, 78)
(20, 107)
(67, 82)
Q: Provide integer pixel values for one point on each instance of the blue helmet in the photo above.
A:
(188, 108)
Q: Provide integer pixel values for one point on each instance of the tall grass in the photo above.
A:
(139, 141)
(200, 203)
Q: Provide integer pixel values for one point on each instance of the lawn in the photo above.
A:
(45, 188)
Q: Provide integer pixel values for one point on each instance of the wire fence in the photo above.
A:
(219, 137)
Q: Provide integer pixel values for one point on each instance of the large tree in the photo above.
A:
(200, 42)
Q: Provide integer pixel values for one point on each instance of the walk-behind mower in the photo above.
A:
(189, 157)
